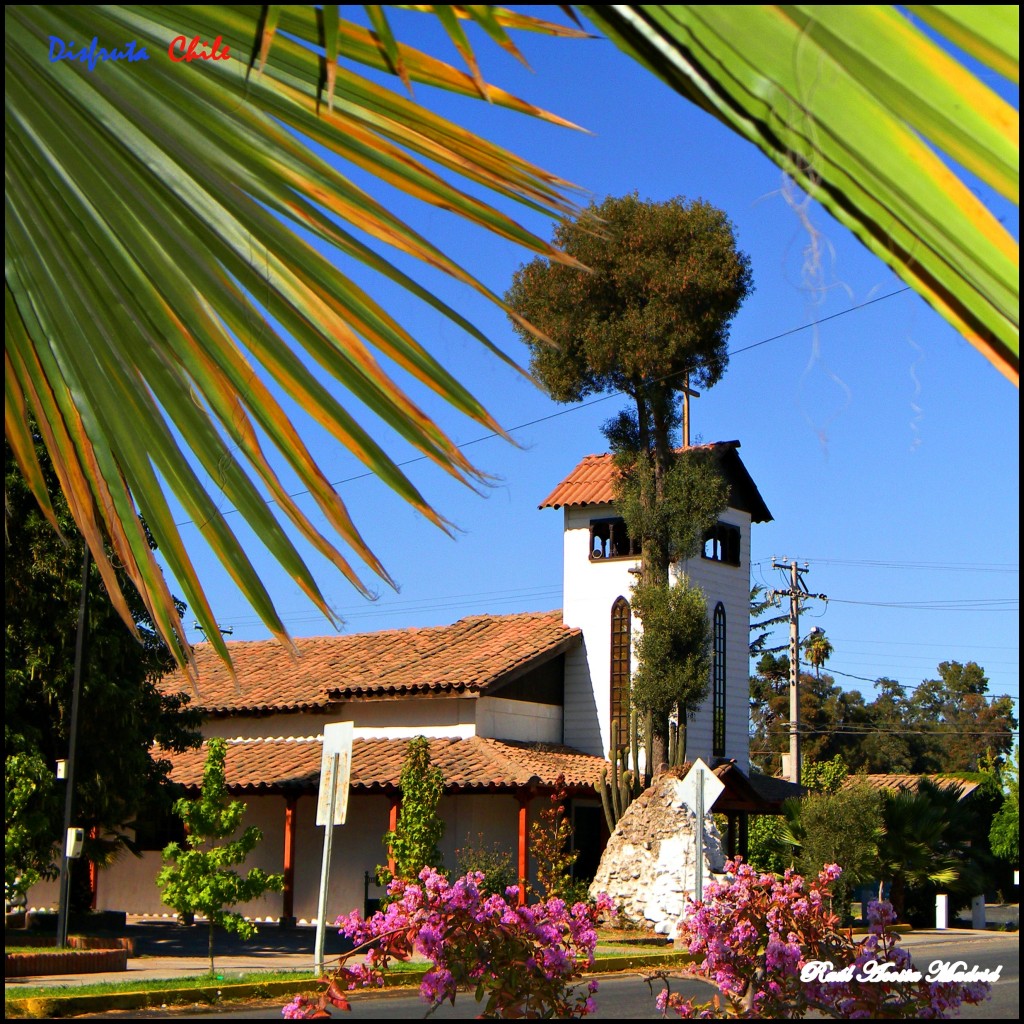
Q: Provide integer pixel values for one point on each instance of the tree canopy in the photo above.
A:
(665, 281)
(123, 713)
(950, 724)
(650, 318)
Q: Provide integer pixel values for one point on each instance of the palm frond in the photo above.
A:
(161, 297)
(874, 120)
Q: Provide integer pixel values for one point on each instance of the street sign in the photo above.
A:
(712, 786)
(331, 805)
(701, 788)
(337, 752)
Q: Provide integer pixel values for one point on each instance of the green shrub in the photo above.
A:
(494, 861)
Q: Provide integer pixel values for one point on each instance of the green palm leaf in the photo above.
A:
(151, 260)
(860, 107)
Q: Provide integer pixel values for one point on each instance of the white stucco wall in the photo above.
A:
(519, 720)
(130, 884)
(729, 584)
(393, 718)
(589, 590)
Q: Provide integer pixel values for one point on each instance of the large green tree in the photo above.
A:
(141, 271)
(650, 319)
(122, 715)
(963, 721)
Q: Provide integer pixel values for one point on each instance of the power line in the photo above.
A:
(980, 604)
(581, 405)
(1007, 568)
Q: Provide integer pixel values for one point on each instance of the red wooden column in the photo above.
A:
(392, 827)
(288, 903)
(523, 797)
(94, 874)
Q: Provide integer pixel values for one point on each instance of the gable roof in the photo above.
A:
(467, 658)
(592, 482)
(477, 763)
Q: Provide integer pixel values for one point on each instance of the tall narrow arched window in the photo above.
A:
(621, 642)
(718, 684)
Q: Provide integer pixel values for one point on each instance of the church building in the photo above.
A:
(514, 707)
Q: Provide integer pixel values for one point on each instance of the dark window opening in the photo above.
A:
(718, 684)
(587, 841)
(610, 539)
(621, 641)
(722, 544)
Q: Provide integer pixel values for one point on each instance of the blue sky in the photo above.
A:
(885, 445)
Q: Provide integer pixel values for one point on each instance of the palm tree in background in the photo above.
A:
(162, 291)
(818, 649)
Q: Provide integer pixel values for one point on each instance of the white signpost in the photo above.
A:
(331, 808)
(701, 788)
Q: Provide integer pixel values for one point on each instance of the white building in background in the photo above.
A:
(511, 705)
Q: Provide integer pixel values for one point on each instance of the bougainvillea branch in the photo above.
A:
(520, 961)
(773, 948)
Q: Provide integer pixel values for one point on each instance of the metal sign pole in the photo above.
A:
(325, 867)
(699, 872)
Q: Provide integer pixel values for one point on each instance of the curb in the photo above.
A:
(70, 1005)
(88, 961)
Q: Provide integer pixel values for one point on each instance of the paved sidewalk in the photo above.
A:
(165, 949)
(169, 950)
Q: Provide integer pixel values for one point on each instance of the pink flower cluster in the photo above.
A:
(520, 960)
(757, 933)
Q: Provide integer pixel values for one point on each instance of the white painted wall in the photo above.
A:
(589, 591)
(521, 720)
(130, 884)
(729, 584)
(394, 719)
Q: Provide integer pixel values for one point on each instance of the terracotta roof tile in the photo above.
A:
(592, 482)
(911, 782)
(462, 659)
(474, 763)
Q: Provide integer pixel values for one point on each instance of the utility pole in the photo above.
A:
(796, 593)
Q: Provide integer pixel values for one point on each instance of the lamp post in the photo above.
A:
(72, 849)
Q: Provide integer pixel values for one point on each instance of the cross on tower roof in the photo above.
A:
(688, 393)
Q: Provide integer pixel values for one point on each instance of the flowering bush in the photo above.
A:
(773, 949)
(520, 960)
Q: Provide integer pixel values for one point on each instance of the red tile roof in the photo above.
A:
(474, 763)
(463, 659)
(592, 482)
(911, 782)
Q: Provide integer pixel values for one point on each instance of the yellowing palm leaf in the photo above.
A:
(855, 102)
(151, 252)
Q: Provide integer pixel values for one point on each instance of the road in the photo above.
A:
(627, 997)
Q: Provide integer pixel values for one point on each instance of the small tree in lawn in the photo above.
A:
(200, 877)
(550, 842)
(413, 843)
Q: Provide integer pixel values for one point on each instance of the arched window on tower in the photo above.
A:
(621, 643)
(718, 684)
